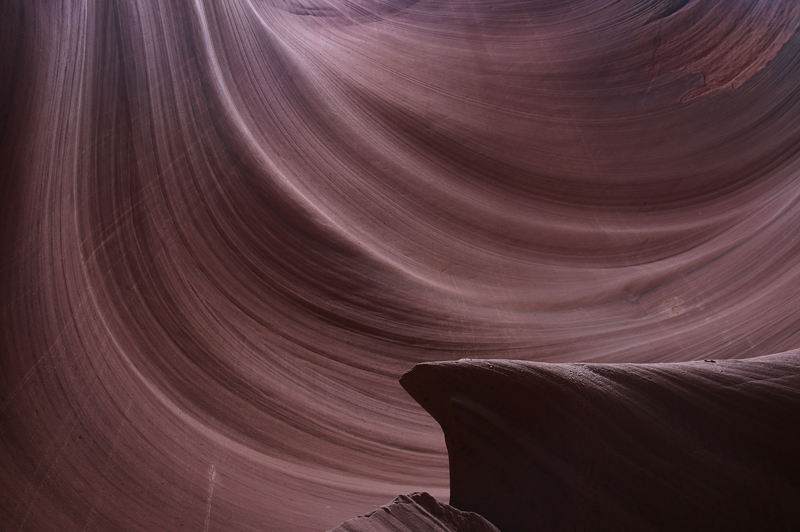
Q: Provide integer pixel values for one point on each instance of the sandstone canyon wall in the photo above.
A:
(228, 227)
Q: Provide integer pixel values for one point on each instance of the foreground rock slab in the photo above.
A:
(415, 513)
(707, 445)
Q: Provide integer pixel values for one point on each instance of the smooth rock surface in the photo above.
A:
(708, 445)
(227, 227)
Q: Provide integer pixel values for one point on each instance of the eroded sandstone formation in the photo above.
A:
(228, 227)
(706, 445)
(416, 512)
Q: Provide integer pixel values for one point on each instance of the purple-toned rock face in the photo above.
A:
(228, 227)
(707, 445)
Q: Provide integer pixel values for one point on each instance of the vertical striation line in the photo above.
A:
(212, 476)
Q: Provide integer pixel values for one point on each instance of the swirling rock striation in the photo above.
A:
(227, 227)
(709, 445)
